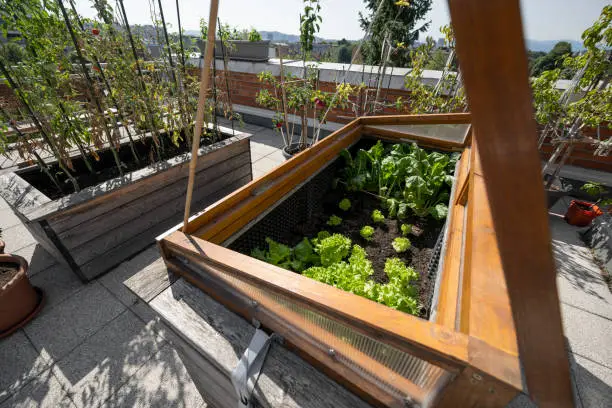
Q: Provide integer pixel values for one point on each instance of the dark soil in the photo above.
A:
(7, 271)
(105, 168)
(423, 237)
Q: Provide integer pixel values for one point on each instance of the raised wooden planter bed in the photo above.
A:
(385, 356)
(97, 228)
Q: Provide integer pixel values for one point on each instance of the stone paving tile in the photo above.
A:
(8, 218)
(45, 391)
(103, 363)
(59, 283)
(113, 280)
(17, 237)
(20, 363)
(38, 258)
(588, 334)
(265, 164)
(162, 382)
(277, 156)
(66, 325)
(262, 149)
(594, 382)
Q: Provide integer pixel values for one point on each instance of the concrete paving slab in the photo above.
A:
(8, 218)
(594, 382)
(162, 382)
(588, 334)
(66, 325)
(43, 392)
(17, 237)
(262, 149)
(38, 258)
(3, 204)
(265, 164)
(59, 283)
(103, 363)
(20, 362)
(113, 280)
(277, 156)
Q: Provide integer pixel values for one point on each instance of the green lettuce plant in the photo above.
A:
(333, 249)
(401, 244)
(366, 232)
(378, 217)
(345, 204)
(334, 221)
(406, 229)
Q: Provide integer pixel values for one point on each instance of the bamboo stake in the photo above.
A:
(197, 131)
(289, 138)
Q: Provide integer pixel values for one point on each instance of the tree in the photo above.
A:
(395, 22)
(13, 53)
(344, 54)
(554, 58)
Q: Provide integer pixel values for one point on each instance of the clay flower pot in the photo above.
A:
(19, 300)
(581, 213)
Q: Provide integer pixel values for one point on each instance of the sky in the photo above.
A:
(542, 19)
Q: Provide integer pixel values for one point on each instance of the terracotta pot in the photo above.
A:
(581, 213)
(19, 300)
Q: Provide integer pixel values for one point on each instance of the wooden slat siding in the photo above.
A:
(490, 315)
(490, 42)
(151, 281)
(421, 140)
(241, 214)
(271, 177)
(99, 199)
(450, 285)
(294, 335)
(428, 341)
(117, 253)
(166, 212)
(220, 337)
(437, 118)
(20, 195)
(124, 214)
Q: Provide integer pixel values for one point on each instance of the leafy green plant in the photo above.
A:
(254, 35)
(378, 217)
(334, 221)
(297, 258)
(401, 244)
(406, 229)
(345, 204)
(366, 232)
(333, 249)
(593, 189)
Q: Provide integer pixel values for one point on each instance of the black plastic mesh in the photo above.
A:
(432, 268)
(296, 209)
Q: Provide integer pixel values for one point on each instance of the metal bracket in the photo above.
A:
(246, 373)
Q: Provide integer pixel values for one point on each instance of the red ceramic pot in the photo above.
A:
(581, 213)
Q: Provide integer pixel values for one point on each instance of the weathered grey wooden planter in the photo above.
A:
(97, 228)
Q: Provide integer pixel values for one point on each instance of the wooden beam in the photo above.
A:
(490, 46)
(432, 119)
(197, 131)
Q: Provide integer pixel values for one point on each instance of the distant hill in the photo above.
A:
(547, 45)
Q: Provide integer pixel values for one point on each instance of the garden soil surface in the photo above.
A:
(423, 237)
(7, 272)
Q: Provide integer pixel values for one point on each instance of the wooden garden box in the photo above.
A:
(385, 356)
(97, 228)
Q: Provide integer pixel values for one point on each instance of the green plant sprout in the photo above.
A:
(406, 229)
(401, 244)
(254, 35)
(345, 204)
(334, 221)
(378, 217)
(366, 232)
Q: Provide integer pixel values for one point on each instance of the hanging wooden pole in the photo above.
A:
(197, 131)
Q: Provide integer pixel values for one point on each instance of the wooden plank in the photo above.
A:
(151, 281)
(347, 132)
(306, 336)
(220, 337)
(91, 201)
(241, 214)
(490, 42)
(406, 137)
(123, 249)
(83, 252)
(124, 215)
(419, 337)
(20, 195)
(436, 118)
(450, 285)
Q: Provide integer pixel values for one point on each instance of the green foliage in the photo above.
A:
(254, 35)
(406, 229)
(333, 249)
(401, 244)
(334, 221)
(12, 53)
(378, 217)
(405, 177)
(344, 54)
(366, 232)
(297, 258)
(553, 60)
(593, 189)
(396, 22)
(309, 25)
(345, 204)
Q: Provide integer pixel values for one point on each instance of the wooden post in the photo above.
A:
(197, 131)
(289, 138)
(491, 49)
